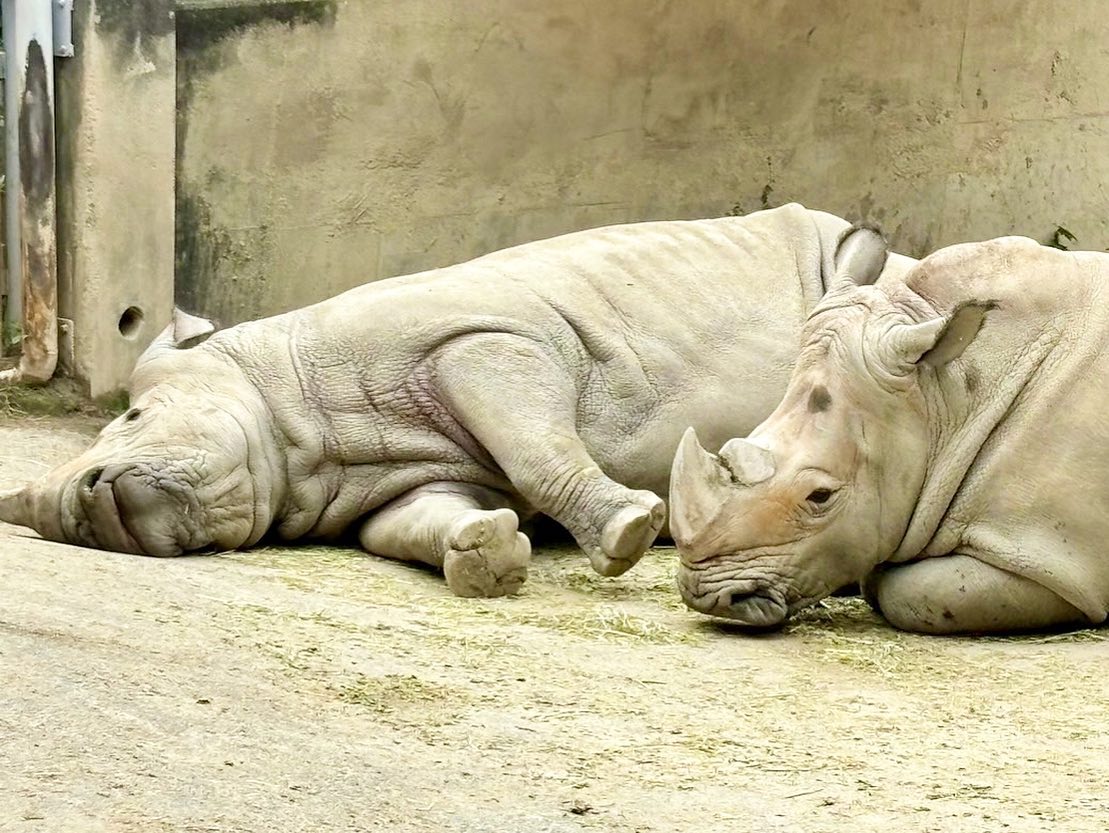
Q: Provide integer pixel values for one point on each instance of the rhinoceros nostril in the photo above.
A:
(738, 598)
(93, 477)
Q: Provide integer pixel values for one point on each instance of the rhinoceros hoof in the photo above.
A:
(627, 536)
(486, 555)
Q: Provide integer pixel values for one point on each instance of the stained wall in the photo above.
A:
(323, 144)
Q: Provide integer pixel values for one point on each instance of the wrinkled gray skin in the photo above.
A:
(429, 413)
(947, 428)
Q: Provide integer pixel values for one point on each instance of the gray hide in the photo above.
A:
(429, 413)
(947, 428)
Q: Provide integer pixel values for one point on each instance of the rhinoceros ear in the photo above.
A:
(939, 341)
(861, 254)
(188, 330)
(182, 332)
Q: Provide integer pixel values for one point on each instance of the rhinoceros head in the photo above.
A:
(192, 465)
(823, 490)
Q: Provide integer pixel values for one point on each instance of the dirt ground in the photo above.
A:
(325, 690)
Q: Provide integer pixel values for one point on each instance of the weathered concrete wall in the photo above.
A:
(115, 153)
(322, 144)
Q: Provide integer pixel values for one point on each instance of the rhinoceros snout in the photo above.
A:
(125, 510)
(747, 602)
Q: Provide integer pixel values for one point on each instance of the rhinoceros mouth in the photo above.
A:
(756, 610)
(749, 602)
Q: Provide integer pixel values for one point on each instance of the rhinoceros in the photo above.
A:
(429, 413)
(942, 440)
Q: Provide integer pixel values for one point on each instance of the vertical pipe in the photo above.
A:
(30, 182)
(13, 311)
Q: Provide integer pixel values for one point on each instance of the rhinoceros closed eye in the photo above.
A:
(132, 414)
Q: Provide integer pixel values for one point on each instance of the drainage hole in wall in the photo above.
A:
(130, 322)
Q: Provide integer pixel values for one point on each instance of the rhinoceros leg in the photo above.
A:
(960, 594)
(522, 407)
(468, 531)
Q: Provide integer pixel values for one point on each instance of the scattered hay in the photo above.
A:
(606, 622)
(355, 576)
(405, 700)
(1098, 634)
(651, 581)
(852, 616)
(849, 632)
(843, 614)
(877, 654)
(843, 629)
(391, 693)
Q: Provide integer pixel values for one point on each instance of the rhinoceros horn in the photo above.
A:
(15, 506)
(698, 489)
(701, 484)
(749, 463)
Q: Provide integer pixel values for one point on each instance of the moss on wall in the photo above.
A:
(206, 44)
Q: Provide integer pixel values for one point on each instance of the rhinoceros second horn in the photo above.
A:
(749, 463)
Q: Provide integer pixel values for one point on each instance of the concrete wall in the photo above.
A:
(322, 144)
(115, 158)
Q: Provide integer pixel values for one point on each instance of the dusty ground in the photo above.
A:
(323, 690)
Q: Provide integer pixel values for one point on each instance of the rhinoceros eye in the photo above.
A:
(132, 414)
(819, 496)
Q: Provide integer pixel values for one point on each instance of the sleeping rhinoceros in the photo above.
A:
(427, 412)
(948, 428)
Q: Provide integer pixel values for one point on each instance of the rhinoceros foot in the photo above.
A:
(628, 534)
(487, 555)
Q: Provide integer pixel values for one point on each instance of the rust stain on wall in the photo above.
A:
(36, 182)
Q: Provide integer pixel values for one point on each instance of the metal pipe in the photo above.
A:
(29, 188)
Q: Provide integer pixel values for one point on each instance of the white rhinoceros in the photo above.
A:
(427, 412)
(946, 427)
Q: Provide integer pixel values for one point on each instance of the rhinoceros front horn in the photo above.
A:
(699, 486)
(15, 507)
